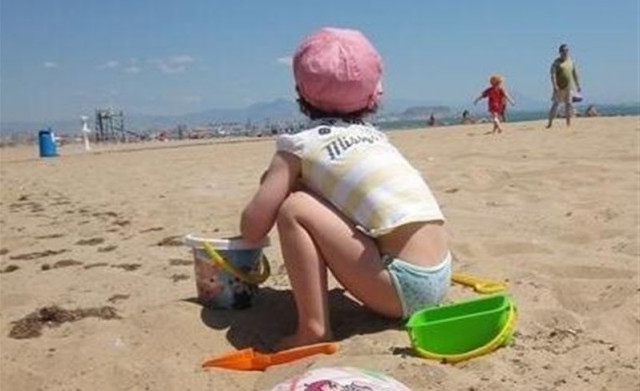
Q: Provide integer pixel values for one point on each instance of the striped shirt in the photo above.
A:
(355, 167)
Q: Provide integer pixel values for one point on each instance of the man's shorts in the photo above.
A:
(562, 96)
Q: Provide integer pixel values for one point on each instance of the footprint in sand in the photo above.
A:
(171, 241)
(97, 264)
(58, 200)
(558, 332)
(90, 242)
(152, 229)
(627, 247)
(60, 264)
(127, 266)
(117, 297)
(50, 236)
(107, 249)
(180, 262)
(37, 254)
(597, 296)
(121, 222)
(180, 277)
(605, 215)
(555, 318)
(105, 215)
(32, 207)
(482, 179)
(9, 269)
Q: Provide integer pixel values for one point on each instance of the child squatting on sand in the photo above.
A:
(497, 98)
(345, 199)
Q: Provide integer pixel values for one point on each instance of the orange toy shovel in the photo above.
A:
(251, 360)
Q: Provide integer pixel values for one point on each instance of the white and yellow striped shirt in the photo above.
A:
(355, 167)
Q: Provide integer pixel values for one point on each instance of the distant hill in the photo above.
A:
(273, 111)
(279, 109)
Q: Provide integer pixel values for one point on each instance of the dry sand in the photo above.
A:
(556, 212)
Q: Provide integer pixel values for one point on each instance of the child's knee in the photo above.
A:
(293, 207)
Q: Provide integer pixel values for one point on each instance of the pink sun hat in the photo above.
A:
(338, 71)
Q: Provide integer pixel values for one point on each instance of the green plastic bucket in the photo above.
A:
(459, 331)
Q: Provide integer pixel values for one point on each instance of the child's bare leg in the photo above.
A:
(313, 235)
(308, 277)
(496, 123)
(553, 112)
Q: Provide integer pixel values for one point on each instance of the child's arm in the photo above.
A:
(554, 66)
(259, 215)
(476, 100)
(508, 97)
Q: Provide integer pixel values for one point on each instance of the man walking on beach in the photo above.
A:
(564, 77)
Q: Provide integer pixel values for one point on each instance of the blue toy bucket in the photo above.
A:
(47, 142)
(228, 271)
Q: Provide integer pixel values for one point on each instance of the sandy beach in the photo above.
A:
(99, 236)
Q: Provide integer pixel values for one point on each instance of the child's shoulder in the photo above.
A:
(319, 131)
(295, 142)
(326, 126)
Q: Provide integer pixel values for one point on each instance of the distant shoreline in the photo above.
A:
(222, 131)
(512, 116)
(74, 147)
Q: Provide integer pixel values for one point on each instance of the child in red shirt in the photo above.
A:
(497, 100)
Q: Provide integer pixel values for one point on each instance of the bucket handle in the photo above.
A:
(499, 340)
(249, 278)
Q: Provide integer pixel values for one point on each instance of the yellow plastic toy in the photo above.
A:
(252, 278)
(480, 285)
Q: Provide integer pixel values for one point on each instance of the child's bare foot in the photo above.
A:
(300, 339)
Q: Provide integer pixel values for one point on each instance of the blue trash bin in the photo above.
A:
(47, 141)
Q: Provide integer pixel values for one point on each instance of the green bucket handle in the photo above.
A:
(254, 278)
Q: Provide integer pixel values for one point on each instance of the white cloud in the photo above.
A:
(175, 64)
(286, 60)
(132, 69)
(182, 59)
(110, 65)
(170, 68)
(50, 64)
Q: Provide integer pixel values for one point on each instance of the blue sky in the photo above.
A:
(64, 58)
